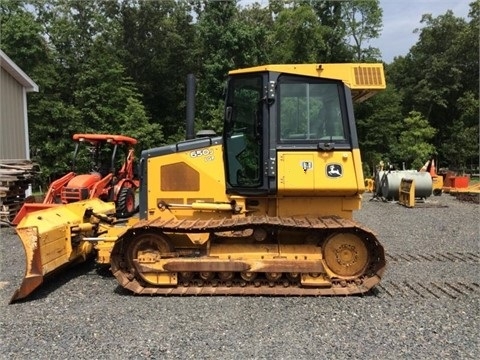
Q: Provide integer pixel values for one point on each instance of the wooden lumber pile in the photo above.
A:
(15, 178)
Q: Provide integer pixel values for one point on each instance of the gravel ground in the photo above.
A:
(427, 306)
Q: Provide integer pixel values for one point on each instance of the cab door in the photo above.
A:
(245, 135)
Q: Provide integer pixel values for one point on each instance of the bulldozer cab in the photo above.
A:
(278, 109)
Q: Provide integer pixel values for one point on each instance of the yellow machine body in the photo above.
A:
(265, 209)
(364, 80)
(312, 182)
(197, 184)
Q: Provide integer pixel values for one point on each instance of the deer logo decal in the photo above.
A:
(334, 170)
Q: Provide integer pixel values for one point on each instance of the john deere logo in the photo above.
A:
(334, 170)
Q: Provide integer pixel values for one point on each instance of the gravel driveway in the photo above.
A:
(427, 306)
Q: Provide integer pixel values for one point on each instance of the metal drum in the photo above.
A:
(391, 183)
(423, 183)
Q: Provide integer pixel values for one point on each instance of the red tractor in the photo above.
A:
(108, 178)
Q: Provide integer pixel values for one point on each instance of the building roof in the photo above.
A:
(17, 73)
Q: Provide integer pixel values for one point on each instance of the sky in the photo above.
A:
(402, 17)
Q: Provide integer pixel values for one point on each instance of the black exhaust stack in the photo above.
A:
(190, 118)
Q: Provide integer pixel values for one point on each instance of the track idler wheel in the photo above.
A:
(346, 255)
(147, 245)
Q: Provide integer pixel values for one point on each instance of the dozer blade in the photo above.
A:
(28, 208)
(52, 239)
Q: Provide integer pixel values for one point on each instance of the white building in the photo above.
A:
(14, 86)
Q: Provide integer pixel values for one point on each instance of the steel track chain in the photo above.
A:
(301, 224)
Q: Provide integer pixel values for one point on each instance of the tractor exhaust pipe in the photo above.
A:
(190, 119)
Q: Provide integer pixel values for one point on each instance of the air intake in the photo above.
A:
(368, 76)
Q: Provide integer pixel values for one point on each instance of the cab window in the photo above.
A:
(243, 136)
(310, 111)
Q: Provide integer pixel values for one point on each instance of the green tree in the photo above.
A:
(108, 100)
(331, 16)
(363, 22)
(413, 146)
(158, 50)
(325, 31)
(256, 22)
(462, 147)
(437, 75)
(68, 47)
(22, 39)
(226, 40)
(379, 121)
(20, 36)
(297, 36)
(216, 40)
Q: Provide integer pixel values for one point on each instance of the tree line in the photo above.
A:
(120, 66)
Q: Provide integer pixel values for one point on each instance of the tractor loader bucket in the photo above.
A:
(53, 238)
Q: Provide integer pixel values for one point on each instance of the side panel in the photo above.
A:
(318, 173)
(185, 177)
(318, 206)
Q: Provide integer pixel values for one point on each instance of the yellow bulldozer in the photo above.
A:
(265, 208)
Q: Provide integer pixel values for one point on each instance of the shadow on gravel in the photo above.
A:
(120, 290)
(6, 224)
(104, 271)
(6, 229)
(372, 292)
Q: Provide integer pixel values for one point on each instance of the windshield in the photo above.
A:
(310, 111)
